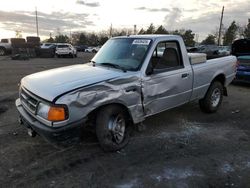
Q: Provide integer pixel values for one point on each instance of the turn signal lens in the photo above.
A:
(56, 114)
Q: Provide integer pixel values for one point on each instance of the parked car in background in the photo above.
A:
(92, 49)
(48, 45)
(241, 49)
(5, 46)
(224, 50)
(65, 49)
(212, 51)
(81, 48)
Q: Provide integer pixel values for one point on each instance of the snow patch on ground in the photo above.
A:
(248, 164)
(129, 184)
(177, 174)
(227, 168)
(189, 129)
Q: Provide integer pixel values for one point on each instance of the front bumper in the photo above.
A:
(66, 134)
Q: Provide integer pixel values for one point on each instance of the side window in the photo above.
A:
(166, 56)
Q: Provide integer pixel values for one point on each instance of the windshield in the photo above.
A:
(126, 53)
(62, 46)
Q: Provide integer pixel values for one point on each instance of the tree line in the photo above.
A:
(229, 34)
(95, 39)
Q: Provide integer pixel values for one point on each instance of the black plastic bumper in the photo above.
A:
(66, 134)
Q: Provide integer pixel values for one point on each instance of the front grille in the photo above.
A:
(28, 101)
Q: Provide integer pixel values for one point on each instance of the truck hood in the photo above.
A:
(52, 83)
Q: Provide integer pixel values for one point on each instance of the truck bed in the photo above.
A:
(205, 72)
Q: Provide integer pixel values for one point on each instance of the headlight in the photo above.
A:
(51, 113)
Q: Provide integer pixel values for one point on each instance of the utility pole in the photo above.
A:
(221, 18)
(134, 29)
(37, 33)
(111, 31)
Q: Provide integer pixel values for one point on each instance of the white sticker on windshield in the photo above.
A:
(141, 42)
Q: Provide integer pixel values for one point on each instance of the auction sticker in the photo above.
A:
(141, 42)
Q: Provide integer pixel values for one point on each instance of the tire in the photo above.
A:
(213, 98)
(2, 51)
(110, 121)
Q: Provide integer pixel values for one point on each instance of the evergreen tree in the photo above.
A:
(161, 30)
(230, 34)
(188, 38)
(61, 39)
(209, 40)
(82, 39)
(247, 30)
(141, 32)
(151, 29)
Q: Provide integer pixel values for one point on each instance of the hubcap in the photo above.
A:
(117, 126)
(215, 98)
(1, 52)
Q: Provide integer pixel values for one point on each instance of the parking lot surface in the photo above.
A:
(182, 147)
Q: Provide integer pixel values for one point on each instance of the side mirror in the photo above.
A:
(150, 69)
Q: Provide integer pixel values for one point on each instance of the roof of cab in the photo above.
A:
(152, 37)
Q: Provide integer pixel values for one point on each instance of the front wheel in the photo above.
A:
(213, 98)
(2, 51)
(112, 128)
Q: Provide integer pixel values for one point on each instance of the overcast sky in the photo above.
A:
(67, 16)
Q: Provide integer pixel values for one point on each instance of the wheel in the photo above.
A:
(76, 55)
(2, 51)
(213, 98)
(112, 128)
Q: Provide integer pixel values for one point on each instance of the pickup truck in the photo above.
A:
(129, 79)
(5, 46)
(241, 49)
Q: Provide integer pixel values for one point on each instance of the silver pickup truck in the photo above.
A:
(129, 79)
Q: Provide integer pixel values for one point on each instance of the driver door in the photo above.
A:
(170, 83)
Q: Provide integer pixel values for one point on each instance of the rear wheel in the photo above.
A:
(112, 128)
(213, 98)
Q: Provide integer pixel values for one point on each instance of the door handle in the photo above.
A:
(185, 75)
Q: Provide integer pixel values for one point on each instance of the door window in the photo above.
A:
(166, 57)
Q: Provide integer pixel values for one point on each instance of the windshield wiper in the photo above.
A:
(114, 65)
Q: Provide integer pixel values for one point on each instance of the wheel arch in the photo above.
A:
(92, 115)
(222, 79)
